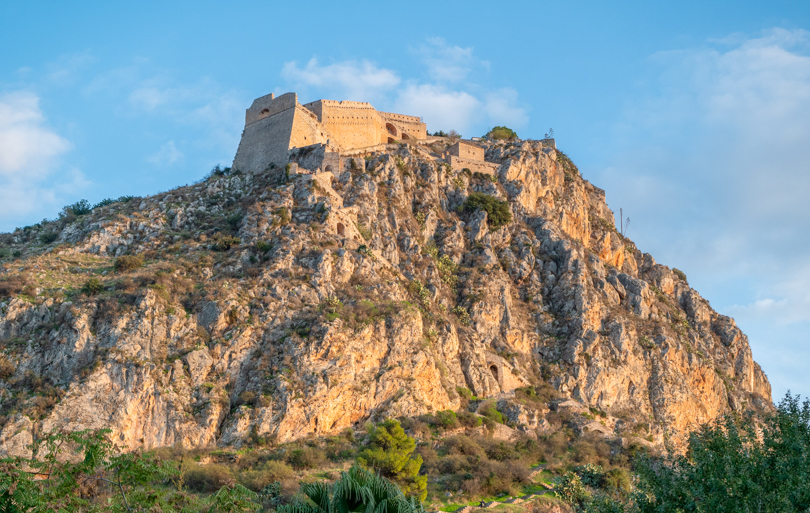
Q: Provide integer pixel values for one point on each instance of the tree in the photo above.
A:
(390, 452)
(736, 464)
(357, 490)
(501, 133)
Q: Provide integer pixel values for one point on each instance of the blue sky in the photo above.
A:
(692, 115)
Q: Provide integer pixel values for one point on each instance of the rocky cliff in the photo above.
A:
(276, 306)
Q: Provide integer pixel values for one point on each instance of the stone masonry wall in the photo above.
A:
(268, 105)
(354, 124)
(273, 126)
(467, 150)
(410, 125)
(265, 142)
(476, 166)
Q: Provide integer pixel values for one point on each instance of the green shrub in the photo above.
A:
(468, 419)
(13, 285)
(501, 133)
(225, 242)
(618, 479)
(246, 397)
(306, 457)
(80, 208)
(572, 490)
(208, 478)
(591, 474)
(489, 411)
(270, 472)
(92, 287)
(446, 419)
(498, 213)
(283, 216)
(263, 247)
(234, 220)
(680, 274)
(6, 368)
(110, 201)
(127, 263)
(48, 237)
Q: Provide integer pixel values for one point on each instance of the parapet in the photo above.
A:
(268, 105)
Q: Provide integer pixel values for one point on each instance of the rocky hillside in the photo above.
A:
(276, 306)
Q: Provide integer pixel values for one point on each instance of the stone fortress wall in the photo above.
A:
(321, 135)
(354, 124)
(469, 155)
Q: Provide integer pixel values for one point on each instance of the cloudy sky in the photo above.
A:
(692, 115)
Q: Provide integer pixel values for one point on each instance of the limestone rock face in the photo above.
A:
(370, 295)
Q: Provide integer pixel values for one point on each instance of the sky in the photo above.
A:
(692, 115)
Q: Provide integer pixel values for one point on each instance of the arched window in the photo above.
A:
(391, 129)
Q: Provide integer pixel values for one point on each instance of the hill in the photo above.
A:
(269, 307)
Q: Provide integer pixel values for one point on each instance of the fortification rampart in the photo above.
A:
(466, 155)
(269, 105)
(273, 126)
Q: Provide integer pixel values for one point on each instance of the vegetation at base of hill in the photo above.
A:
(499, 133)
(498, 213)
(355, 490)
(390, 452)
(737, 463)
(84, 471)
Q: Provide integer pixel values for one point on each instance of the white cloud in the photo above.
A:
(349, 80)
(441, 102)
(446, 63)
(502, 108)
(167, 155)
(439, 106)
(28, 148)
(30, 152)
(66, 69)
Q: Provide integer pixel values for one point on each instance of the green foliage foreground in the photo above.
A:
(390, 452)
(735, 464)
(84, 471)
(357, 490)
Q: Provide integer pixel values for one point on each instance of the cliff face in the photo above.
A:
(368, 296)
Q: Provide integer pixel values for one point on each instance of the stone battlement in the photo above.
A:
(274, 126)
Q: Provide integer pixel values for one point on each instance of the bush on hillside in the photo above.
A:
(127, 263)
(48, 237)
(92, 287)
(13, 285)
(208, 478)
(306, 457)
(80, 208)
(498, 213)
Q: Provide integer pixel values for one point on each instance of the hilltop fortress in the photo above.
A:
(274, 126)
